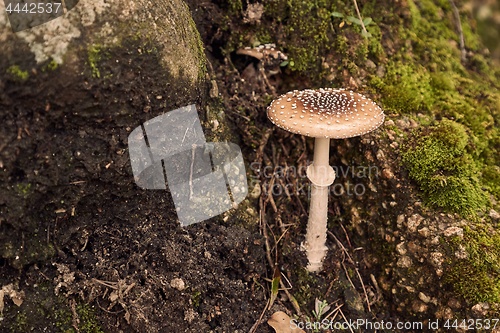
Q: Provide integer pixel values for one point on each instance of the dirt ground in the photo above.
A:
(88, 251)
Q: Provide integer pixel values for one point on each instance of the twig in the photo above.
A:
(377, 288)
(336, 310)
(357, 271)
(270, 194)
(347, 276)
(193, 147)
(460, 31)
(364, 290)
(346, 236)
(292, 299)
(263, 224)
(342, 246)
(76, 318)
(359, 16)
(345, 319)
(258, 322)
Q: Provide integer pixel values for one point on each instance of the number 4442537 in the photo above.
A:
(471, 324)
(34, 8)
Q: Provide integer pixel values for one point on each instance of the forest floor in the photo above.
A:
(83, 249)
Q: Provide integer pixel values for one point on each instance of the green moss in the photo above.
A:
(476, 277)
(88, 321)
(305, 293)
(428, 76)
(307, 28)
(17, 73)
(23, 189)
(491, 177)
(20, 324)
(53, 314)
(94, 56)
(438, 161)
(406, 88)
(51, 65)
(235, 6)
(197, 44)
(196, 298)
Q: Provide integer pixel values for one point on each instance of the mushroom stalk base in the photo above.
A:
(321, 175)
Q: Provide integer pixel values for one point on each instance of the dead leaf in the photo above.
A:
(282, 323)
(15, 296)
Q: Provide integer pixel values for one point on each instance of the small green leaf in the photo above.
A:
(366, 34)
(367, 21)
(337, 14)
(284, 63)
(353, 20)
(275, 285)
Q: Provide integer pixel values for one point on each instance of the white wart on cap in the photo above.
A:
(325, 113)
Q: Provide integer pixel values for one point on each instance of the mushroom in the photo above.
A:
(269, 57)
(323, 114)
(264, 52)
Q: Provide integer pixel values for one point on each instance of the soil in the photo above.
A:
(89, 251)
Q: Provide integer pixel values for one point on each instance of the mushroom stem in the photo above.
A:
(321, 175)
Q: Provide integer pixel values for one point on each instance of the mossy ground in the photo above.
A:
(424, 73)
(17, 73)
(448, 175)
(412, 64)
(47, 312)
(477, 276)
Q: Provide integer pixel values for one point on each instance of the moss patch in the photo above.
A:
(438, 160)
(44, 311)
(476, 277)
(94, 57)
(17, 73)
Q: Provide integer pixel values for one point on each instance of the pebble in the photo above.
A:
(454, 231)
(494, 215)
(413, 222)
(419, 306)
(178, 283)
(404, 262)
(423, 297)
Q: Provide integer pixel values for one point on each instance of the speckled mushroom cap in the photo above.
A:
(325, 113)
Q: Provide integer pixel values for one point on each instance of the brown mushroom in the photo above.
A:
(324, 114)
(264, 51)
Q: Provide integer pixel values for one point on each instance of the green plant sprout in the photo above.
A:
(320, 308)
(320, 313)
(363, 23)
(359, 20)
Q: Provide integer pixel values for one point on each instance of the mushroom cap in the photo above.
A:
(325, 113)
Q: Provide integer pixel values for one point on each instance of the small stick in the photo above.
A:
(347, 276)
(346, 236)
(345, 319)
(263, 224)
(460, 31)
(364, 290)
(193, 147)
(359, 16)
(336, 310)
(377, 288)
